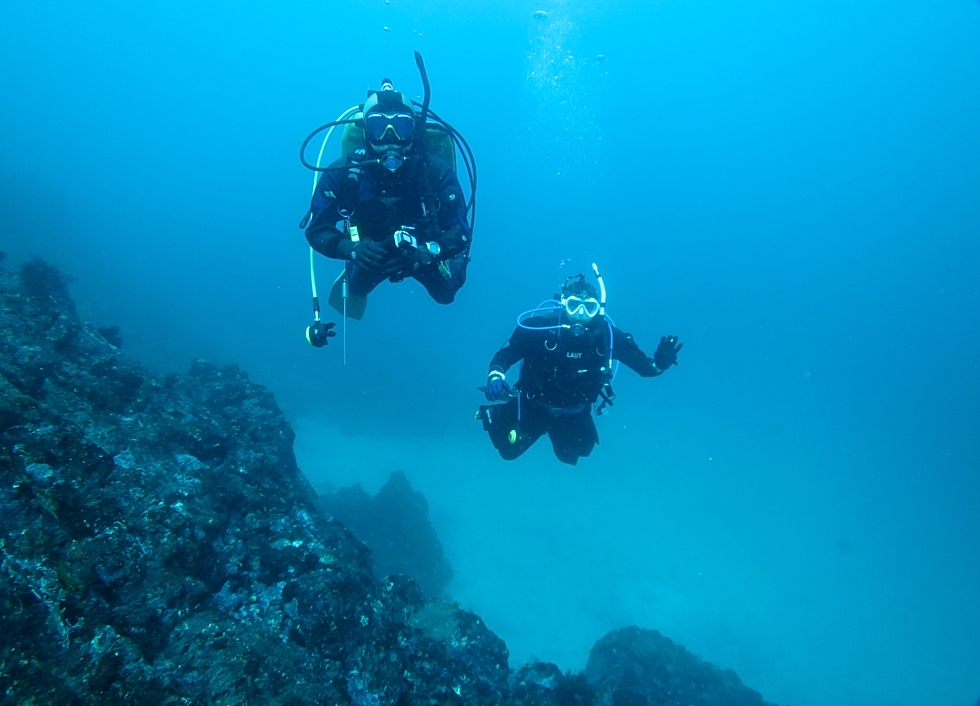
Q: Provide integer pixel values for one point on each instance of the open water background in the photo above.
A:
(792, 188)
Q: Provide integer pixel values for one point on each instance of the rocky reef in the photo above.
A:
(634, 667)
(159, 545)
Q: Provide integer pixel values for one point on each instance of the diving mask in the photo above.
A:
(580, 307)
(378, 125)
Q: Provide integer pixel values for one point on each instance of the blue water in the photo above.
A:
(792, 188)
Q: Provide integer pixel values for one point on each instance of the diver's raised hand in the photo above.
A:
(666, 353)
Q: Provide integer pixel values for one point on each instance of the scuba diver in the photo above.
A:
(570, 351)
(391, 206)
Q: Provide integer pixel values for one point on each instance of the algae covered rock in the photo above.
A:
(159, 544)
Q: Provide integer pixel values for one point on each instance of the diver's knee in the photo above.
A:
(444, 297)
(570, 456)
(510, 453)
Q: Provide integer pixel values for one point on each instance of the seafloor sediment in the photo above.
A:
(159, 545)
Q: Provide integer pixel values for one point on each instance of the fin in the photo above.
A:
(355, 305)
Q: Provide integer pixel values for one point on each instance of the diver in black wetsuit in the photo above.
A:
(568, 348)
(390, 211)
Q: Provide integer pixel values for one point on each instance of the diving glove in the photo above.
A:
(370, 255)
(497, 388)
(666, 353)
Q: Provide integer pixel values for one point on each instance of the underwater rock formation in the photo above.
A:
(543, 684)
(636, 667)
(159, 545)
(395, 525)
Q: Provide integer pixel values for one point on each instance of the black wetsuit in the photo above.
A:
(562, 375)
(378, 203)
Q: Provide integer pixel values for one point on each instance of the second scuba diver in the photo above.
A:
(391, 207)
(568, 348)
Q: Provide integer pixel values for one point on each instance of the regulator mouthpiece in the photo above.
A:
(392, 162)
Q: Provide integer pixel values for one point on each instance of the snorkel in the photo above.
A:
(420, 129)
(602, 290)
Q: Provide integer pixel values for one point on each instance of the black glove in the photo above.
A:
(666, 353)
(402, 264)
(408, 257)
(370, 255)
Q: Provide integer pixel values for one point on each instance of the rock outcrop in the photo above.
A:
(159, 545)
(635, 667)
(395, 526)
